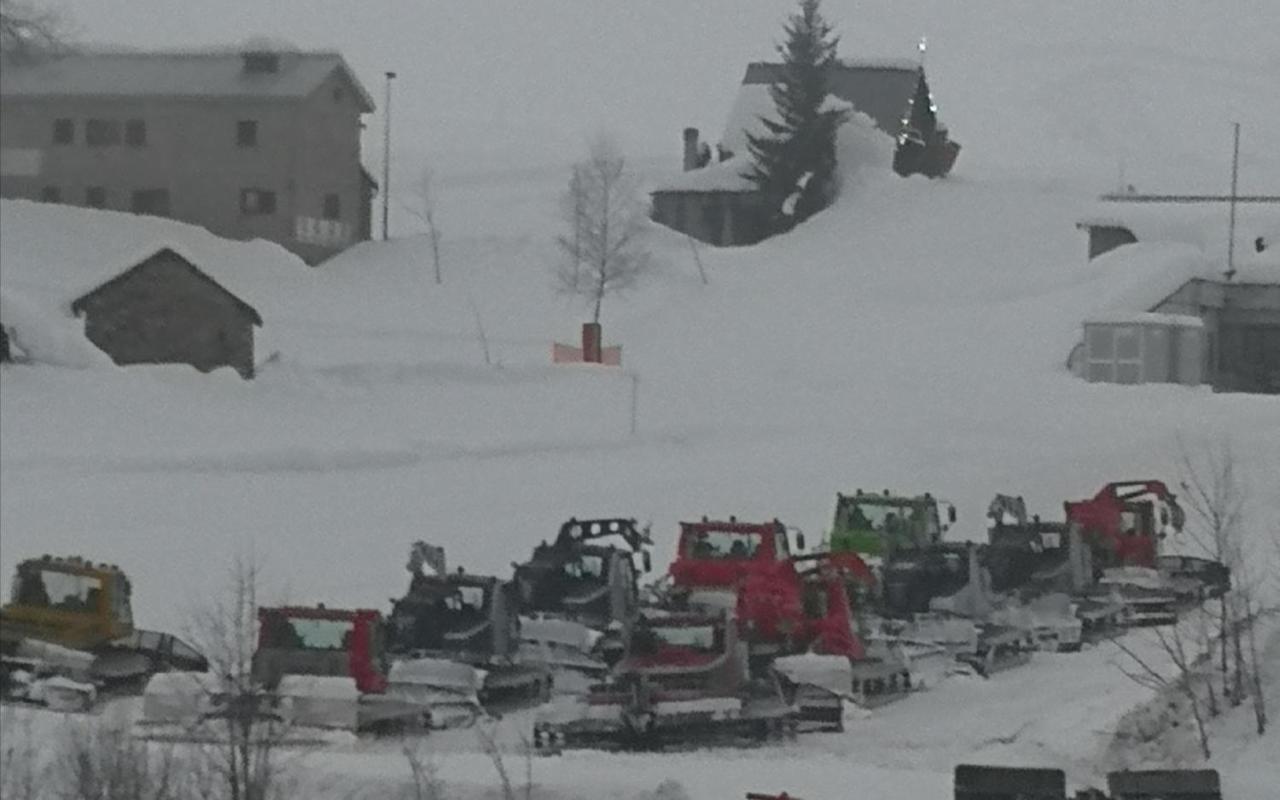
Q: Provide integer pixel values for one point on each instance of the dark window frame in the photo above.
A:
(331, 208)
(95, 196)
(152, 202)
(100, 132)
(246, 133)
(64, 131)
(255, 202)
(135, 132)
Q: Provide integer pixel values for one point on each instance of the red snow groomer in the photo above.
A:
(794, 609)
(1122, 527)
(1124, 522)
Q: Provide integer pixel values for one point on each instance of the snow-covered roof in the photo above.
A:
(753, 103)
(1203, 225)
(1144, 318)
(1144, 274)
(721, 176)
(211, 73)
(51, 255)
(880, 88)
(906, 64)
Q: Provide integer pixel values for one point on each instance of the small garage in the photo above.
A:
(165, 310)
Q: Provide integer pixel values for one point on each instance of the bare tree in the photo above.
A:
(1184, 680)
(104, 762)
(1215, 498)
(606, 221)
(489, 745)
(29, 32)
(425, 210)
(245, 758)
(425, 774)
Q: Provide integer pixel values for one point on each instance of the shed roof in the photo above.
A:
(210, 73)
(77, 305)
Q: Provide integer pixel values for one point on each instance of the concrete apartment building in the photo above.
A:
(253, 142)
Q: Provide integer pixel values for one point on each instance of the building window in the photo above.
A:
(150, 201)
(95, 197)
(247, 133)
(135, 133)
(101, 132)
(256, 202)
(332, 206)
(51, 194)
(1115, 353)
(64, 131)
(261, 62)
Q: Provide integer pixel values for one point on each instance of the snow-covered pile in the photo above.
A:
(47, 336)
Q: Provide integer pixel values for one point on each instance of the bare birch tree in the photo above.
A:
(606, 221)
(424, 209)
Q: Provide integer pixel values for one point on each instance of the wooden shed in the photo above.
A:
(165, 310)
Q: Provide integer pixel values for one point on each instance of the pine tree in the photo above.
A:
(797, 158)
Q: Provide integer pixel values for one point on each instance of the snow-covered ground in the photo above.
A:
(914, 337)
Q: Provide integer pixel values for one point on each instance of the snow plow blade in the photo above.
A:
(566, 648)
(673, 723)
(449, 688)
(999, 648)
(822, 682)
(196, 707)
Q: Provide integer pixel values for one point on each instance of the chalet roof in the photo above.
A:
(212, 73)
(880, 88)
(147, 254)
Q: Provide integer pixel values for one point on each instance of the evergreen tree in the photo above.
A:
(794, 164)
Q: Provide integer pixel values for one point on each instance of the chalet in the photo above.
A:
(165, 310)
(261, 141)
(1181, 315)
(712, 201)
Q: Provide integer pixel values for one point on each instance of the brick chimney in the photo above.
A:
(690, 149)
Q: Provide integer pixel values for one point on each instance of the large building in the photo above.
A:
(254, 142)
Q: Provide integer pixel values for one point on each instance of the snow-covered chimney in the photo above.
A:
(690, 149)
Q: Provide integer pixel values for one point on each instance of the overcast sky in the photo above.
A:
(510, 80)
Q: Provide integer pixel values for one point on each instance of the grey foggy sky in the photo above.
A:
(513, 80)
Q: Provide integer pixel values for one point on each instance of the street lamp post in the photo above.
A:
(386, 156)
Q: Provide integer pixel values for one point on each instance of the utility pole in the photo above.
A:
(386, 156)
(1231, 226)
